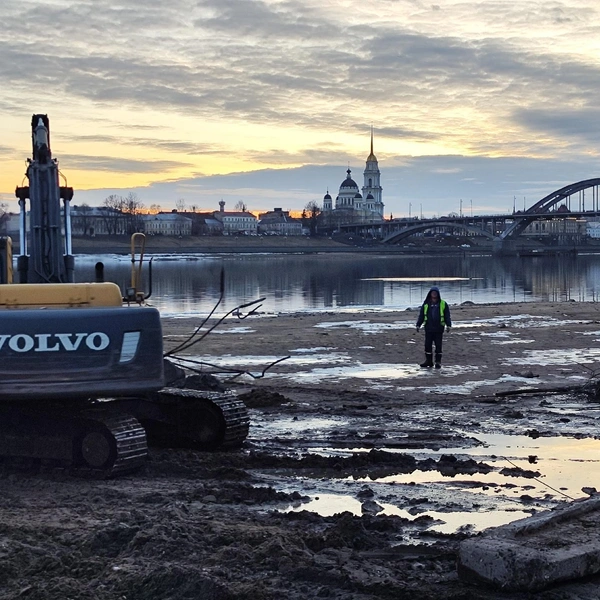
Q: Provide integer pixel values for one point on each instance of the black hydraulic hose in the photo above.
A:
(149, 280)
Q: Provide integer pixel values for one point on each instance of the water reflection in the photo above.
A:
(191, 283)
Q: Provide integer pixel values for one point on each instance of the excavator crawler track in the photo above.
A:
(92, 443)
(114, 446)
(176, 417)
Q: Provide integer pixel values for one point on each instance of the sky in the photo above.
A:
(475, 106)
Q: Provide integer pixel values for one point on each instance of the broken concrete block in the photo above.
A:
(536, 552)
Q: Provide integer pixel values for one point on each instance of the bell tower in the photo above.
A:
(372, 190)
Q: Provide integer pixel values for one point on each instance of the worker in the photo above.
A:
(435, 317)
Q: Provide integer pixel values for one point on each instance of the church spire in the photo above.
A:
(371, 156)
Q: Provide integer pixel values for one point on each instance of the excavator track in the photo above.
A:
(110, 437)
(114, 446)
(92, 443)
(175, 417)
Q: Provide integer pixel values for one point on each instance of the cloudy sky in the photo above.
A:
(482, 104)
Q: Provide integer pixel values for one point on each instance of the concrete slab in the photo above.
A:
(533, 553)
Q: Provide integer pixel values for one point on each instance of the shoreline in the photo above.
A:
(235, 248)
(121, 245)
(304, 245)
(385, 312)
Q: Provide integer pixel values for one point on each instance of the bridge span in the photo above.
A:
(569, 202)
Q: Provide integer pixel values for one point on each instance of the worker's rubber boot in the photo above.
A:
(428, 360)
(438, 360)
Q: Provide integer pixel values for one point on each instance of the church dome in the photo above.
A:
(348, 182)
(327, 196)
(370, 196)
(357, 195)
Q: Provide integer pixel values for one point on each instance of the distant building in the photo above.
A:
(350, 205)
(13, 224)
(279, 222)
(239, 222)
(85, 221)
(593, 229)
(206, 224)
(101, 220)
(172, 224)
(203, 223)
(562, 230)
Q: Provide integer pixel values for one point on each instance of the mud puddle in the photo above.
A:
(440, 481)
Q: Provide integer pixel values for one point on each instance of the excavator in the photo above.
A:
(83, 382)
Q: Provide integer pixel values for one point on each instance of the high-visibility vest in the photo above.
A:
(442, 310)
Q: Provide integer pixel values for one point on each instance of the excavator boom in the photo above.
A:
(49, 257)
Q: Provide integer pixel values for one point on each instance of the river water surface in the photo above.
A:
(313, 282)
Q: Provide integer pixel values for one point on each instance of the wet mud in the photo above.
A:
(361, 474)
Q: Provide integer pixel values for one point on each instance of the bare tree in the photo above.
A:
(133, 211)
(241, 206)
(312, 210)
(123, 215)
(180, 205)
(82, 221)
(113, 214)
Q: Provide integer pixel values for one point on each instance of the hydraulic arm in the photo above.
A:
(49, 257)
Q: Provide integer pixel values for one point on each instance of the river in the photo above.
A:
(290, 283)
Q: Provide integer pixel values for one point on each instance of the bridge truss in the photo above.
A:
(494, 227)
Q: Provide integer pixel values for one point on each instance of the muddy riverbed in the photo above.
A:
(361, 474)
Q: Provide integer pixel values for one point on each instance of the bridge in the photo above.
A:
(569, 202)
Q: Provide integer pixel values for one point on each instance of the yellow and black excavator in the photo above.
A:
(82, 372)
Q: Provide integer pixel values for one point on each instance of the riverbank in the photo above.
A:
(231, 244)
(488, 350)
(208, 244)
(305, 245)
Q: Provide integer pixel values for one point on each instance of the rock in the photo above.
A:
(204, 382)
(366, 492)
(371, 507)
(536, 552)
(174, 375)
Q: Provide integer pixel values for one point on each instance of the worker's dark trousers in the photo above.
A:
(432, 338)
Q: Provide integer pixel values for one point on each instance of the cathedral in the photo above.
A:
(350, 204)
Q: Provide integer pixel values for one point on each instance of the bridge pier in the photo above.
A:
(504, 246)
